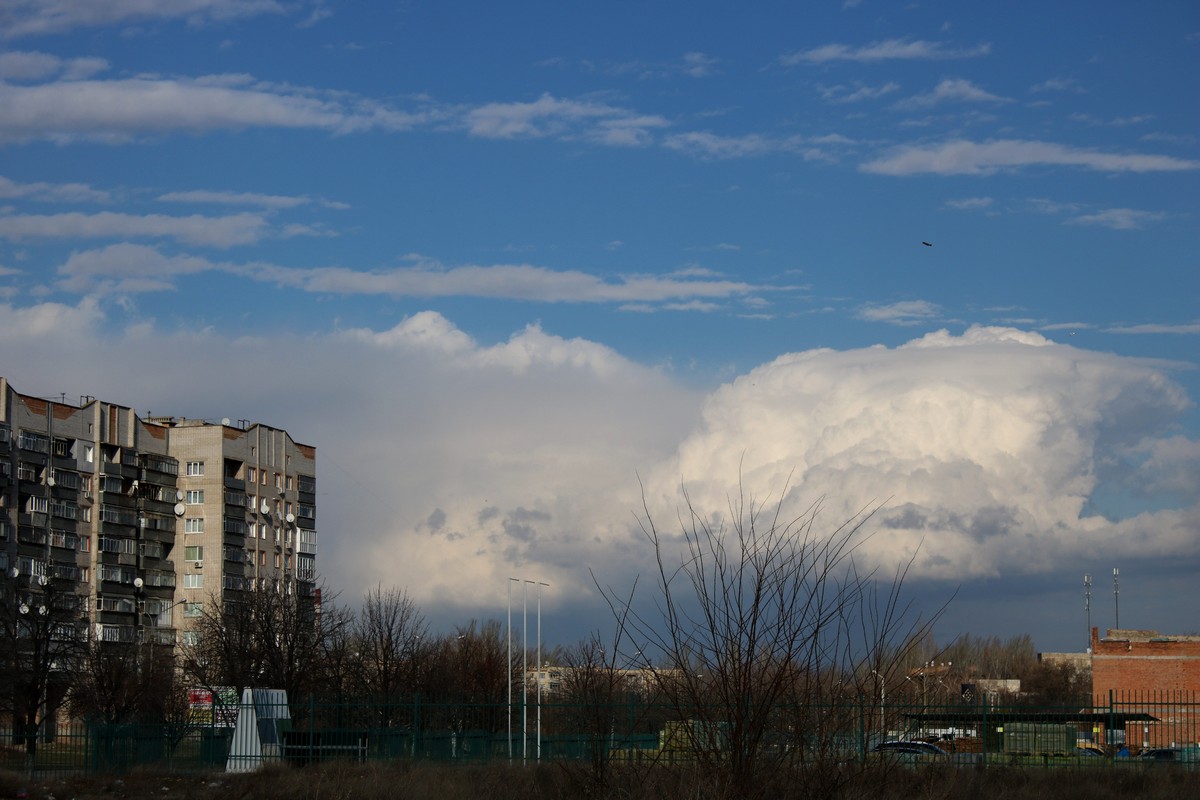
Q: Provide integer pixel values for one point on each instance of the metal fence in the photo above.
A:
(1128, 729)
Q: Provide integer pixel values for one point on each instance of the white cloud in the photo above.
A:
(973, 158)
(551, 116)
(983, 448)
(905, 312)
(130, 266)
(858, 92)
(121, 110)
(703, 144)
(969, 203)
(698, 65)
(888, 50)
(1059, 84)
(1157, 327)
(223, 231)
(20, 18)
(126, 268)
(954, 90)
(272, 201)
(52, 192)
(16, 65)
(1120, 219)
(530, 447)
(507, 281)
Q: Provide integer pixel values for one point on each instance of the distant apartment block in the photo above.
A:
(151, 518)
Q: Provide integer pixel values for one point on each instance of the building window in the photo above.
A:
(195, 468)
(193, 581)
(251, 474)
(195, 497)
(194, 552)
(262, 558)
(277, 562)
(193, 609)
(289, 482)
(193, 525)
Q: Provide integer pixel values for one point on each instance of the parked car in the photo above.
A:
(1160, 754)
(910, 752)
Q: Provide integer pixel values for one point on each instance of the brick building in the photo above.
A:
(1145, 670)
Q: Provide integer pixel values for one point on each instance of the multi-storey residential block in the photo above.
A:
(150, 519)
(246, 517)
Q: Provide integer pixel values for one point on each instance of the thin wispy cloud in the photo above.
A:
(122, 110)
(1186, 329)
(128, 264)
(27, 66)
(549, 116)
(200, 196)
(887, 50)
(222, 232)
(969, 203)
(1119, 219)
(954, 90)
(857, 92)
(44, 192)
(22, 18)
(963, 157)
(904, 312)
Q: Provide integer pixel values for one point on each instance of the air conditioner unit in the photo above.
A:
(199, 565)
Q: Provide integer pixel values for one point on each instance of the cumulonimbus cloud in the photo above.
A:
(454, 464)
(984, 450)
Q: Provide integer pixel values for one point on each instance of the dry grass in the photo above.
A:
(407, 781)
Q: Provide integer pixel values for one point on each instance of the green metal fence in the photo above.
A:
(1126, 731)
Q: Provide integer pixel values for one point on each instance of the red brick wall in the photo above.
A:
(1159, 675)
(1134, 663)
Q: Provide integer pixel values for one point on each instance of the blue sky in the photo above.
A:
(497, 262)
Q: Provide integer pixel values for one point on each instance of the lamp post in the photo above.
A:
(882, 702)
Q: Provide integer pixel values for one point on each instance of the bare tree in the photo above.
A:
(43, 635)
(390, 636)
(262, 638)
(757, 612)
(123, 681)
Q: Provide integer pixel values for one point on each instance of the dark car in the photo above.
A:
(910, 752)
(1160, 754)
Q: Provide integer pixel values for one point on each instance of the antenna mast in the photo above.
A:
(1117, 597)
(1087, 606)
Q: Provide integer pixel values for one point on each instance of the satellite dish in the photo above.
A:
(225, 421)
(291, 518)
(49, 481)
(265, 508)
(179, 494)
(179, 509)
(138, 583)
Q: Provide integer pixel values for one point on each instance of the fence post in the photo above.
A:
(983, 730)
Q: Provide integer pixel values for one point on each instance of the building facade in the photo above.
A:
(150, 519)
(1144, 670)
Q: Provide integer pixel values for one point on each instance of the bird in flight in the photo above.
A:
(927, 244)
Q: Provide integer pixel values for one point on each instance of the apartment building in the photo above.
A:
(150, 519)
